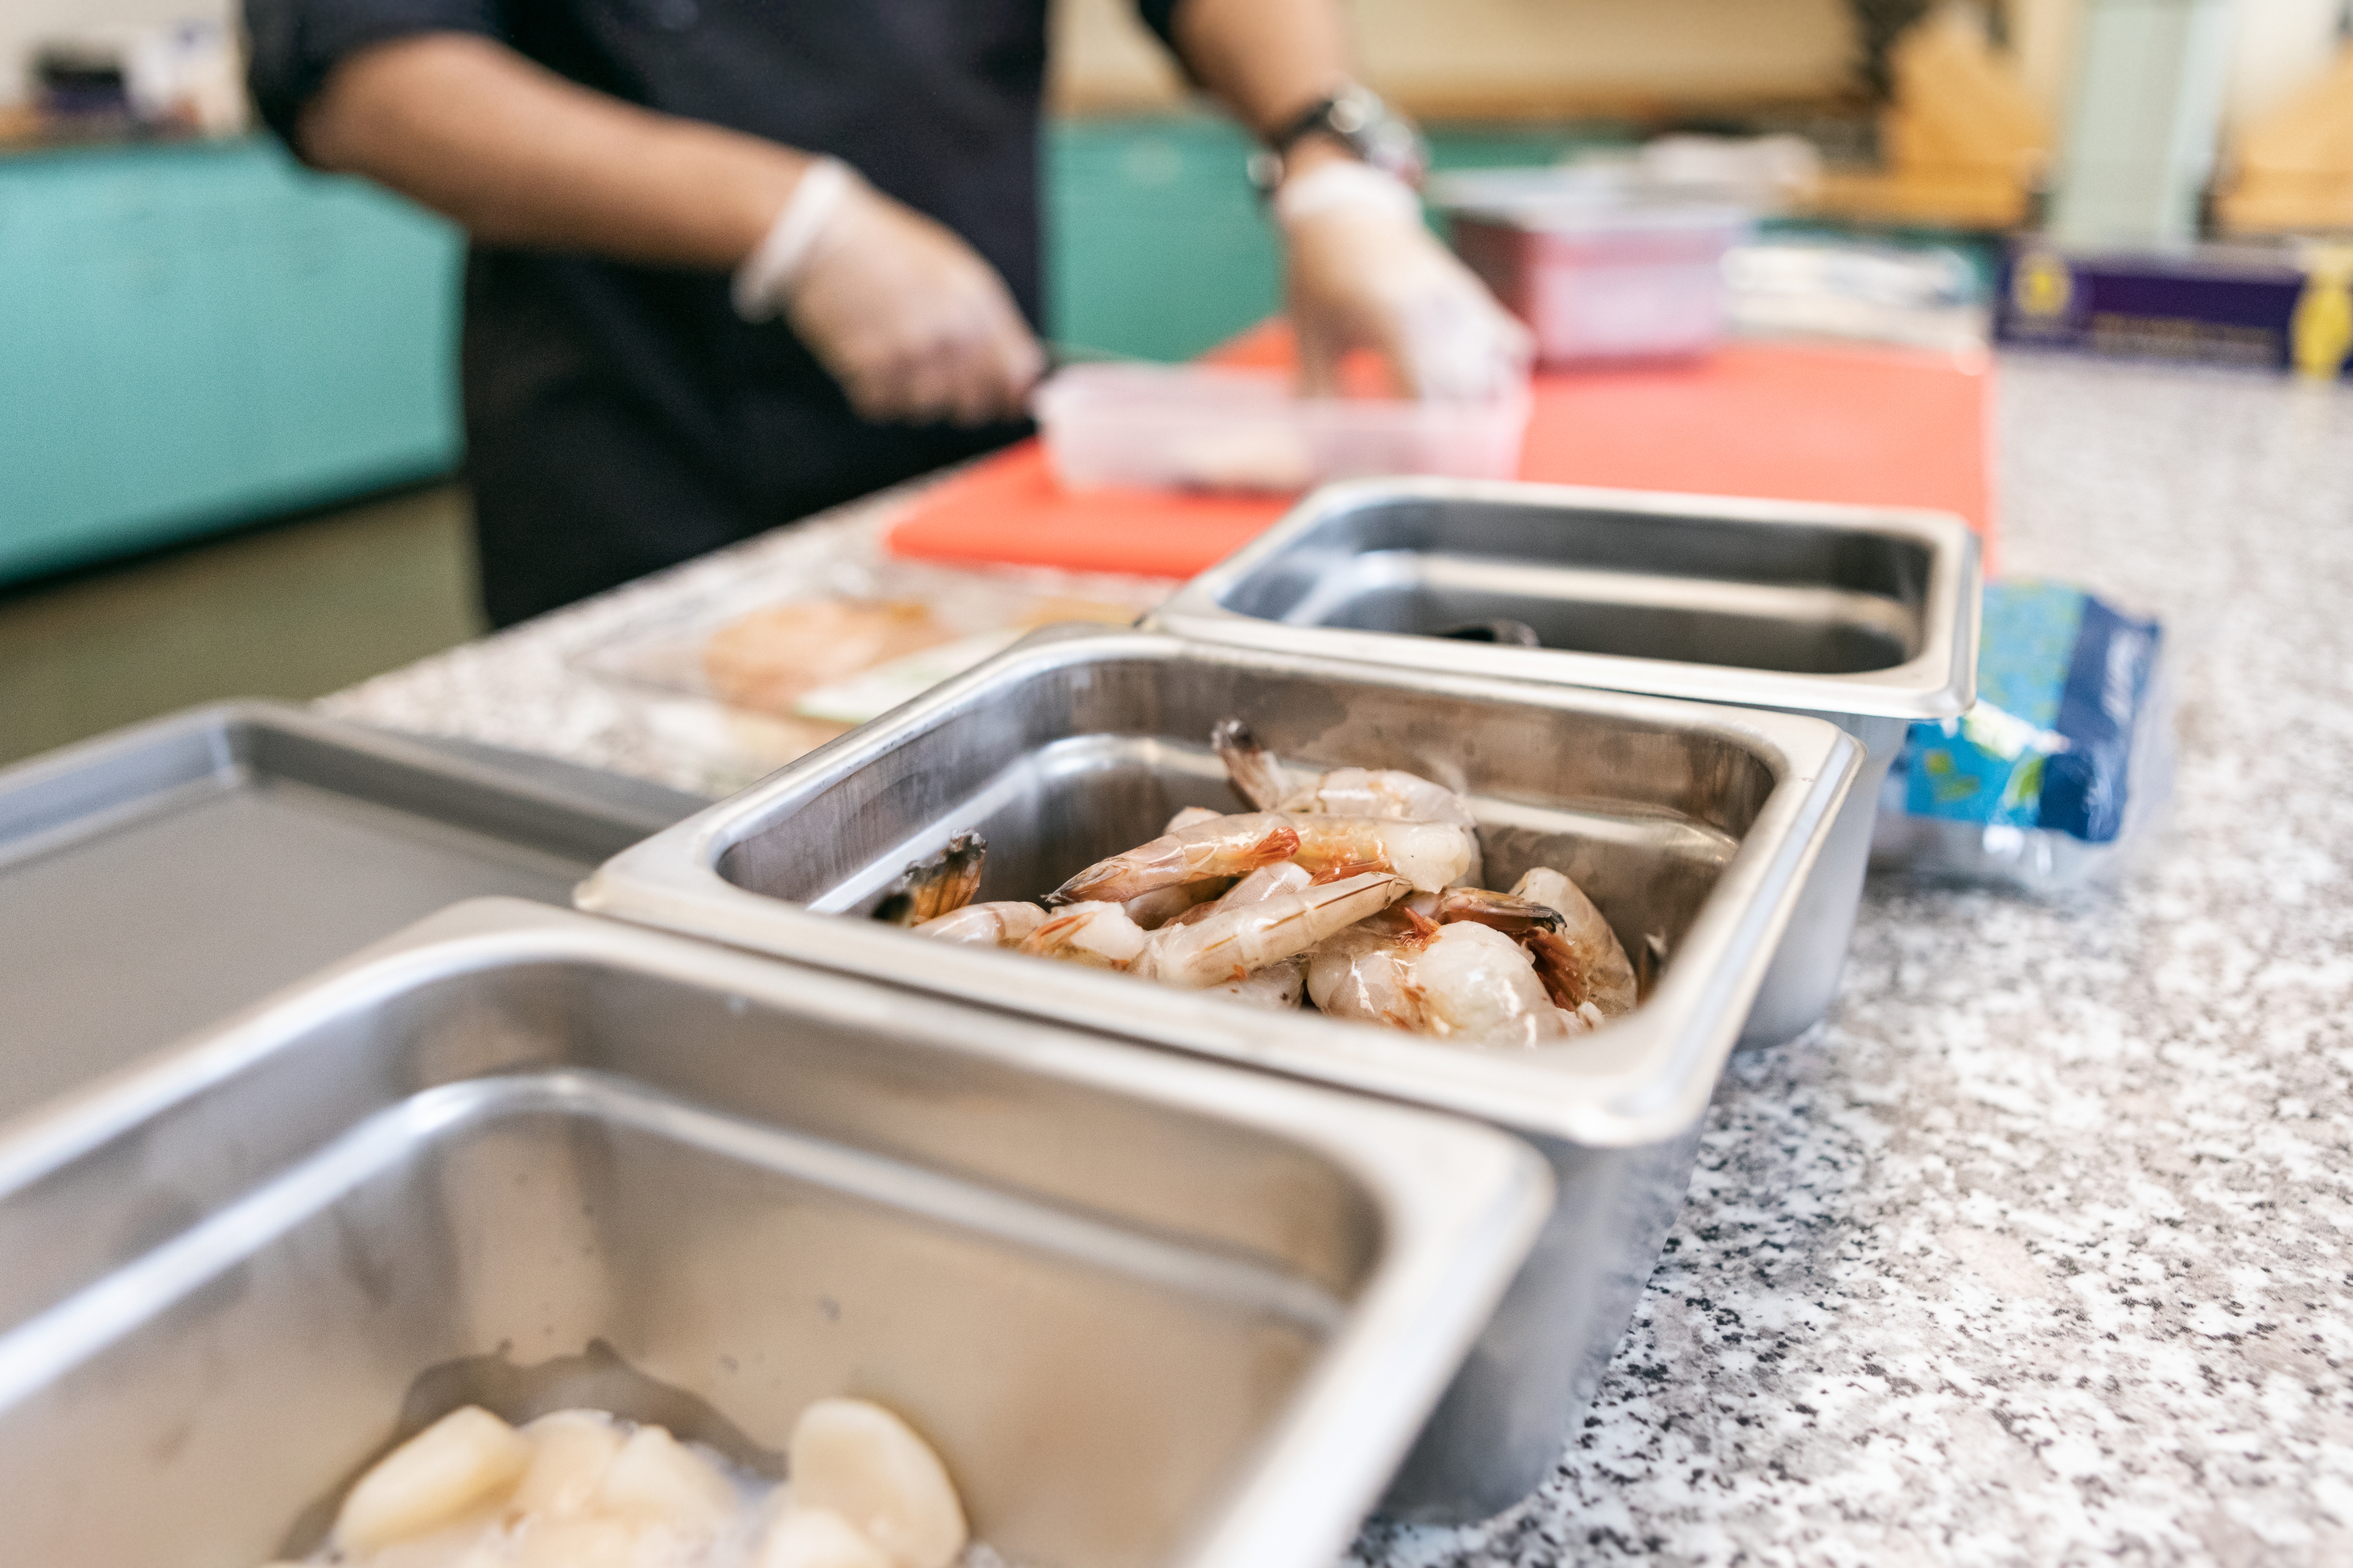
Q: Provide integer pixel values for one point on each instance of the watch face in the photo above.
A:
(1359, 120)
(1380, 136)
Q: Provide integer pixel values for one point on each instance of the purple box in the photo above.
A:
(2252, 305)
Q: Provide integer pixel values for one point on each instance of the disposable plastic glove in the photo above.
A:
(906, 316)
(1365, 274)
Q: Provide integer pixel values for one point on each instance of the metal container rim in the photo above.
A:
(1937, 681)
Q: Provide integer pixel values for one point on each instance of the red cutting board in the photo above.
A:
(1859, 423)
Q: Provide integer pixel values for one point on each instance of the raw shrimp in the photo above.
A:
(1233, 942)
(1365, 971)
(1381, 792)
(1256, 773)
(1390, 792)
(1430, 854)
(1276, 988)
(1220, 847)
(1269, 881)
(1002, 924)
(1583, 964)
(1097, 933)
(1157, 908)
(938, 886)
(1477, 985)
(1188, 817)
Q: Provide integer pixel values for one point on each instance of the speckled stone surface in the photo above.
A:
(2041, 1250)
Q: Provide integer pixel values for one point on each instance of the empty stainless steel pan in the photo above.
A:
(1864, 616)
(1151, 1311)
(1691, 826)
(158, 879)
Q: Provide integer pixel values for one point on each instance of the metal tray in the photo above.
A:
(1864, 616)
(153, 879)
(1693, 823)
(1152, 1311)
(654, 666)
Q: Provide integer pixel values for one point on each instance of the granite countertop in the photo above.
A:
(2038, 1250)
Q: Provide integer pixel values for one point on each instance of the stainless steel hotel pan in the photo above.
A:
(1864, 616)
(1153, 1312)
(156, 878)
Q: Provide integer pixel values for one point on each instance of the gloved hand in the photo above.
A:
(905, 315)
(1364, 273)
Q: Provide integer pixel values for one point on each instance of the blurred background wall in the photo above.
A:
(202, 339)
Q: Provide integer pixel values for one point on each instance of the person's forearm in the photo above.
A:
(1268, 60)
(519, 156)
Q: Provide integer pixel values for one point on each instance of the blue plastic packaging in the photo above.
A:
(2062, 758)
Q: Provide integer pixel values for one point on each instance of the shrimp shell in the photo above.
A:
(1257, 775)
(1584, 964)
(1388, 792)
(1478, 986)
(1236, 942)
(1512, 915)
(1432, 856)
(1366, 973)
(1276, 988)
(1391, 792)
(938, 886)
(1001, 924)
(1190, 815)
(1157, 908)
(1220, 847)
(1097, 934)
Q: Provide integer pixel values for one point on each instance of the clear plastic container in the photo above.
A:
(742, 681)
(1215, 427)
(1599, 270)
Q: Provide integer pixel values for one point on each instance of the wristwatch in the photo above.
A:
(1365, 127)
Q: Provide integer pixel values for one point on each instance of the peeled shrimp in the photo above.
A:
(1232, 943)
(1097, 933)
(1583, 964)
(1219, 847)
(1388, 793)
(938, 886)
(1002, 924)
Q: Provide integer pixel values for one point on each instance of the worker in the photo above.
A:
(735, 262)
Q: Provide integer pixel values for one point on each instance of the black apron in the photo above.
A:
(621, 419)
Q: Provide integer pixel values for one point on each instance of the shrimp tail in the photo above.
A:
(1559, 967)
(1510, 915)
(1256, 773)
(938, 886)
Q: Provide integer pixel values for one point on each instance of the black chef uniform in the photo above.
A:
(620, 418)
